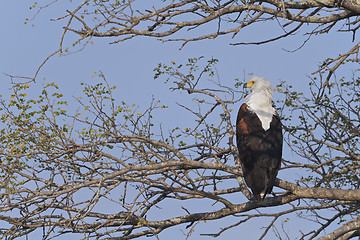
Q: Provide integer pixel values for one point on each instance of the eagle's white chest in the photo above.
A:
(263, 109)
(265, 115)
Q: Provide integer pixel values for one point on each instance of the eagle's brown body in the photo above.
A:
(260, 149)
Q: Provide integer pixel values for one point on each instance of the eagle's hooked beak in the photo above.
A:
(249, 84)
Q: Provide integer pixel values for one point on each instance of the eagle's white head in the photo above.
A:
(260, 84)
(260, 100)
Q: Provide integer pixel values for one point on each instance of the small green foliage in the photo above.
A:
(192, 69)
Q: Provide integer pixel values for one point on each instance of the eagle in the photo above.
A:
(259, 138)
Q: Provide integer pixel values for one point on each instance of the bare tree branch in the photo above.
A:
(184, 21)
(351, 226)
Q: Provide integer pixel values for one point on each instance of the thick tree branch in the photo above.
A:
(318, 193)
(351, 226)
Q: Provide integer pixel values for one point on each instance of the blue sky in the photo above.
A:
(129, 65)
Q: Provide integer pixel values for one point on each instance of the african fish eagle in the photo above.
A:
(259, 138)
